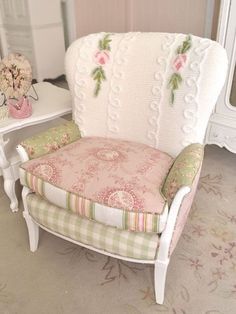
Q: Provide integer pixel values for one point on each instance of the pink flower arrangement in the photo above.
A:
(102, 57)
(179, 62)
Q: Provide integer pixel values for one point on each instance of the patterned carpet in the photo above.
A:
(62, 278)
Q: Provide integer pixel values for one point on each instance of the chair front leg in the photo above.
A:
(33, 228)
(160, 270)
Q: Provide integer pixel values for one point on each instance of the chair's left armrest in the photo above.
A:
(50, 140)
(179, 189)
(183, 171)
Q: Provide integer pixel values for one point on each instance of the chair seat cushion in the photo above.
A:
(112, 181)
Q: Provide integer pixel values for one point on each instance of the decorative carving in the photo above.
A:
(157, 88)
(191, 97)
(114, 103)
(81, 83)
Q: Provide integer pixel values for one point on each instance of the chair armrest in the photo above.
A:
(51, 139)
(183, 171)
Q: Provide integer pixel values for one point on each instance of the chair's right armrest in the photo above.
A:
(49, 140)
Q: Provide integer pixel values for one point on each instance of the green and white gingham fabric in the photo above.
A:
(138, 245)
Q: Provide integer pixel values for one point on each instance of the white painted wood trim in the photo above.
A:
(22, 153)
(70, 19)
(209, 17)
(223, 21)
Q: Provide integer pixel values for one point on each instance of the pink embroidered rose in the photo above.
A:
(65, 139)
(179, 61)
(102, 57)
(31, 150)
(52, 147)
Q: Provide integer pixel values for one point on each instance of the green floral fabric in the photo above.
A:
(183, 170)
(51, 140)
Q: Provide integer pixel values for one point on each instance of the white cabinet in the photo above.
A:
(35, 29)
(222, 126)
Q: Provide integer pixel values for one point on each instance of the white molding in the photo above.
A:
(71, 19)
(223, 21)
(209, 18)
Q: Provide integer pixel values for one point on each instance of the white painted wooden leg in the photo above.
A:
(33, 228)
(8, 176)
(33, 231)
(9, 188)
(160, 280)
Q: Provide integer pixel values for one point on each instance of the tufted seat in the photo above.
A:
(114, 182)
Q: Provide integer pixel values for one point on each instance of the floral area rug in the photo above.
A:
(63, 278)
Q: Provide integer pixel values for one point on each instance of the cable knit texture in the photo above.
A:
(135, 100)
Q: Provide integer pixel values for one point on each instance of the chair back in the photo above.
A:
(155, 88)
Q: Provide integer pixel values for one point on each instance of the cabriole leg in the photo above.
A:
(8, 176)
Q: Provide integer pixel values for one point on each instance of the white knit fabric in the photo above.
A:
(134, 100)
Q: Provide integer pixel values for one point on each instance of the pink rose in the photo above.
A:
(179, 61)
(102, 57)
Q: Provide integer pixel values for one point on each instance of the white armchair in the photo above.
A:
(121, 177)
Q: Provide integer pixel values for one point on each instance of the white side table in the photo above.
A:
(54, 102)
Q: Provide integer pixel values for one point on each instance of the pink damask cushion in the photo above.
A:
(115, 173)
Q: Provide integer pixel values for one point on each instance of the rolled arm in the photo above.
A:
(51, 139)
(183, 171)
(183, 176)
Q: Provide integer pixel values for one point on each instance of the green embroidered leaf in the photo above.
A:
(98, 75)
(172, 97)
(100, 45)
(97, 89)
(95, 71)
(173, 84)
(102, 73)
(185, 46)
(175, 81)
(104, 44)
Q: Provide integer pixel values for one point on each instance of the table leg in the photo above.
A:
(8, 177)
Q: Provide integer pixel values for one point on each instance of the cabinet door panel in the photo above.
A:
(15, 12)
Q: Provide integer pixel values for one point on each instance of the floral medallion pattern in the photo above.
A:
(46, 171)
(178, 64)
(114, 173)
(16, 75)
(101, 58)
